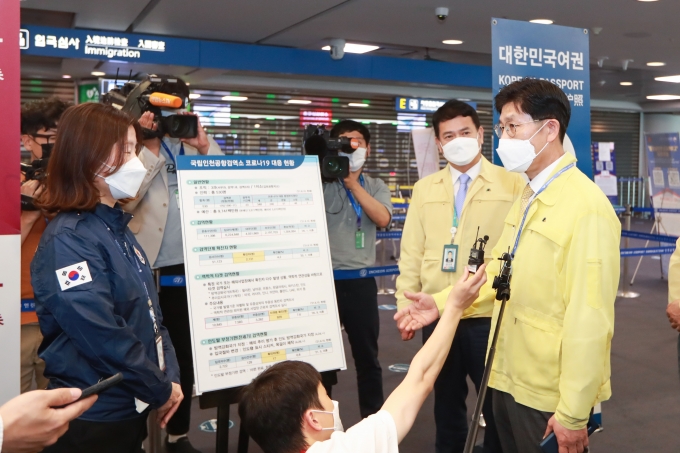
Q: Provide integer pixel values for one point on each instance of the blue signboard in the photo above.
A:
(104, 45)
(418, 105)
(548, 52)
(663, 164)
(111, 46)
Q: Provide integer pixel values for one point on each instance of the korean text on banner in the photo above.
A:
(258, 267)
(554, 53)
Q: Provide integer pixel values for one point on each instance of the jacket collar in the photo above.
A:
(115, 218)
(549, 196)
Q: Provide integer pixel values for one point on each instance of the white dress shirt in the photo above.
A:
(472, 173)
(542, 177)
(374, 434)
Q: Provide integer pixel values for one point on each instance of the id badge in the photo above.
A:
(359, 239)
(450, 258)
(159, 351)
(177, 198)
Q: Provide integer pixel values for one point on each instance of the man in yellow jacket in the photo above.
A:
(673, 309)
(552, 361)
(446, 211)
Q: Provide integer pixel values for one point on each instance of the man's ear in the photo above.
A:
(480, 133)
(26, 141)
(440, 150)
(368, 150)
(553, 130)
(310, 422)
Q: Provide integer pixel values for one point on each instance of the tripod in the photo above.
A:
(501, 284)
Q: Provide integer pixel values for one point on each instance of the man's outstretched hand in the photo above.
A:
(424, 311)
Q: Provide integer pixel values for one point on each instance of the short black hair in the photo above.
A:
(272, 406)
(539, 99)
(42, 114)
(453, 109)
(351, 126)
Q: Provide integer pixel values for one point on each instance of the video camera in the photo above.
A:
(160, 95)
(36, 170)
(317, 142)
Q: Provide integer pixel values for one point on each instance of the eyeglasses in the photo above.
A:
(47, 138)
(510, 128)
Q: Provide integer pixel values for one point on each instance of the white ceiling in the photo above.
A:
(641, 31)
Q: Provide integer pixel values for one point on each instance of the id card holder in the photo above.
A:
(159, 351)
(177, 198)
(450, 258)
(359, 240)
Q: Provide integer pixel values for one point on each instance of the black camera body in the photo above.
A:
(317, 142)
(138, 98)
(35, 171)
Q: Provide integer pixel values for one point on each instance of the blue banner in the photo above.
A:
(243, 162)
(647, 251)
(388, 235)
(365, 273)
(111, 46)
(548, 52)
(649, 237)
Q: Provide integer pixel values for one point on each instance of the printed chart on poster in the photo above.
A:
(258, 268)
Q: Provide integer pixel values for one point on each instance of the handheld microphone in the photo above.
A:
(476, 258)
(165, 100)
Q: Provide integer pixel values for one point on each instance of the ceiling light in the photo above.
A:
(98, 73)
(453, 42)
(194, 96)
(355, 48)
(656, 63)
(257, 126)
(672, 79)
(541, 21)
(187, 84)
(66, 76)
(299, 101)
(664, 97)
(626, 84)
(648, 0)
(357, 104)
(235, 98)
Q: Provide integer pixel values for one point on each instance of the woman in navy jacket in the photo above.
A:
(95, 292)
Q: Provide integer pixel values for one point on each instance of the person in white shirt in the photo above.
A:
(287, 410)
(34, 420)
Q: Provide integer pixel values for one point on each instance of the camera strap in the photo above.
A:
(172, 157)
(353, 202)
(526, 211)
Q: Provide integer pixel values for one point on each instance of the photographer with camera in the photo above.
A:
(39, 121)
(157, 227)
(355, 207)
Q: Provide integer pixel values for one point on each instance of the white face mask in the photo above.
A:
(356, 159)
(517, 155)
(461, 150)
(337, 424)
(125, 183)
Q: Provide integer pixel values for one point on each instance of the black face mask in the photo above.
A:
(46, 150)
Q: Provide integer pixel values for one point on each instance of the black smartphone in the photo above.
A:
(549, 444)
(99, 387)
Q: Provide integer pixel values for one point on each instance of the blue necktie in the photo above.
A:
(462, 193)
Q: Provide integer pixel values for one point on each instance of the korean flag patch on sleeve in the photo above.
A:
(73, 275)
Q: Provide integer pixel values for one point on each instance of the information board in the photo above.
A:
(258, 266)
(554, 53)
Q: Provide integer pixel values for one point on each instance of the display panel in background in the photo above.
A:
(258, 267)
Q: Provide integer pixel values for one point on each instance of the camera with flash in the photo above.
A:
(162, 95)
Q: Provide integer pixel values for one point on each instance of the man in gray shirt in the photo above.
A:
(355, 208)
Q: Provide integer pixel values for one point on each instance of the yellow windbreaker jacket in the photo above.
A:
(553, 351)
(428, 228)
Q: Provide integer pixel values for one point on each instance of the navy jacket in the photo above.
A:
(95, 318)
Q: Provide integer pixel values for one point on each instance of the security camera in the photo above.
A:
(442, 13)
(337, 49)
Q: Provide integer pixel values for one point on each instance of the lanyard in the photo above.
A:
(526, 211)
(167, 150)
(139, 268)
(353, 202)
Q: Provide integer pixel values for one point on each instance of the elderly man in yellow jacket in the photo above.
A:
(446, 211)
(673, 309)
(552, 362)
